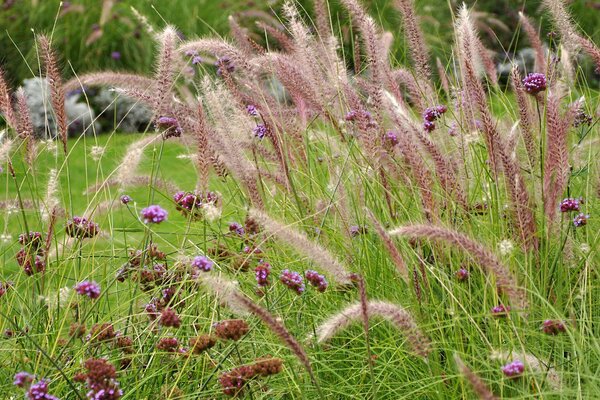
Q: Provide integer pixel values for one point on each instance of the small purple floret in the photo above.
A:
(154, 214)
(292, 280)
(513, 369)
(125, 199)
(581, 220)
(317, 280)
(262, 272)
(88, 288)
(202, 263)
(534, 83)
(22, 379)
(260, 131)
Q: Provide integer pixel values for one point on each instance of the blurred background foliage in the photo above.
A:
(106, 34)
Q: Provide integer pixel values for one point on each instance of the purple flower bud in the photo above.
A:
(237, 228)
(570, 204)
(513, 369)
(500, 310)
(125, 199)
(391, 138)
(22, 379)
(428, 126)
(39, 391)
(317, 280)
(154, 214)
(581, 220)
(251, 110)
(432, 113)
(260, 131)
(88, 288)
(262, 272)
(553, 327)
(202, 263)
(79, 227)
(292, 280)
(115, 55)
(170, 126)
(534, 83)
(224, 64)
(196, 60)
(462, 274)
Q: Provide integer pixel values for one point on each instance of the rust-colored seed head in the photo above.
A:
(76, 329)
(102, 332)
(202, 343)
(232, 329)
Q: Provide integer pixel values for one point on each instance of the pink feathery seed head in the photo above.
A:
(154, 214)
(462, 274)
(125, 199)
(262, 272)
(317, 280)
(23, 379)
(79, 227)
(553, 327)
(88, 288)
(292, 280)
(534, 83)
(202, 263)
(513, 369)
(570, 204)
(169, 318)
(581, 220)
(500, 310)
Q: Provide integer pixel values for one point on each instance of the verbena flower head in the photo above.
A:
(196, 60)
(262, 272)
(252, 110)
(31, 263)
(79, 227)
(391, 138)
(168, 344)
(170, 126)
(534, 83)
(39, 391)
(125, 199)
(115, 55)
(570, 204)
(292, 280)
(101, 380)
(231, 329)
(513, 369)
(201, 343)
(202, 263)
(237, 228)
(32, 240)
(432, 113)
(88, 288)
(224, 64)
(356, 230)
(317, 280)
(193, 203)
(500, 310)
(23, 379)
(428, 126)
(553, 327)
(260, 131)
(154, 214)
(581, 220)
(462, 274)
(169, 318)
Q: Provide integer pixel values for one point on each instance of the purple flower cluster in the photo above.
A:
(88, 288)
(154, 214)
(4, 286)
(224, 64)
(31, 256)
(262, 271)
(513, 369)
(391, 138)
(79, 227)
(190, 203)
(553, 327)
(356, 230)
(534, 83)
(125, 199)
(22, 379)
(317, 280)
(462, 274)
(260, 131)
(237, 228)
(292, 280)
(580, 220)
(196, 59)
(202, 263)
(500, 310)
(362, 118)
(115, 55)
(252, 110)
(570, 204)
(39, 391)
(170, 126)
(430, 115)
